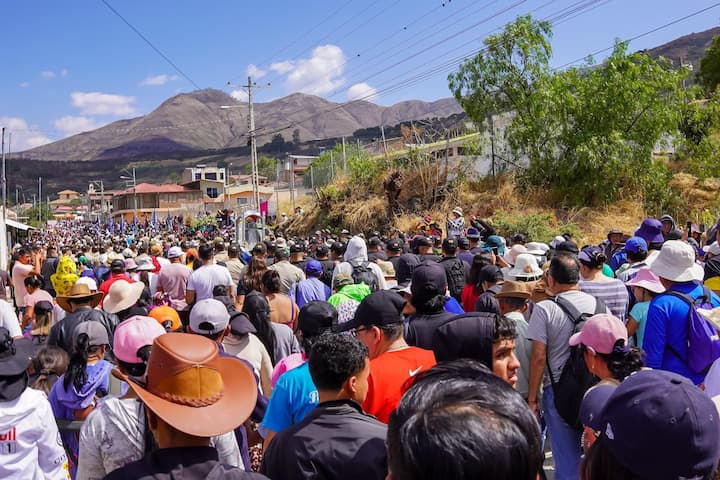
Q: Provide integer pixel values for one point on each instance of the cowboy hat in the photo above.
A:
(79, 291)
(195, 390)
(15, 357)
(513, 289)
(122, 295)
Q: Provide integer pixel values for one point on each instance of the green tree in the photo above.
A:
(586, 134)
(38, 215)
(699, 142)
(709, 73)
(296, 136)
(277, 144)
(267, 167)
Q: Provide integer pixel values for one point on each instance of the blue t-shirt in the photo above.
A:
(293, 397)
(667, 324)
(452, 306)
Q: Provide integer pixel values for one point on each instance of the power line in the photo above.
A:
(146, 40)
(649, 32)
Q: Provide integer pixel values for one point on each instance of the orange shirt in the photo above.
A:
(388, 374)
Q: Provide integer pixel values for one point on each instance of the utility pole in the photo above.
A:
(344, 156)
(39, 200)
(332, 166)
(3, 228)
(382, 131)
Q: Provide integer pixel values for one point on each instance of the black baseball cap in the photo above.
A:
(317, 317)
(117, 265)
(423, 241)
(374, 242)
(463, 242)
(297, 248)
(322, 249)
(380, 308)
(394, 245)
(450, 245)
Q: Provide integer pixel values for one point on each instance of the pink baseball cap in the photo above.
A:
(600, 333)
(133, 334)
(646, 279)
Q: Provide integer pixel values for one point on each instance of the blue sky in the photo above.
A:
(73, 66)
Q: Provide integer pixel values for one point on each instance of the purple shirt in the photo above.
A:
(308, 290)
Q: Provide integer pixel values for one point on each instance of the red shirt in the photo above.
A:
(114, 277)
(469, 297)
(388, 374)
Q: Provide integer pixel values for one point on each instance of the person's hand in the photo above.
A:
(533, 405)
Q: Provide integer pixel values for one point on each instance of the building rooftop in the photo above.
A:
(152, 188)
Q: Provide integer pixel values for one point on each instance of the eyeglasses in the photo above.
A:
(358, 330)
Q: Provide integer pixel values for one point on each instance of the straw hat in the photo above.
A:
(122, 295)
(77, 292)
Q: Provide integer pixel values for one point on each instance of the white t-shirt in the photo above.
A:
(204, 279)
(30, 446)
(8, 319)
(19, 272)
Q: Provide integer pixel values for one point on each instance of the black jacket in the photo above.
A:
(62, 332)
(421, 328)
(334, 441)
(188, 463)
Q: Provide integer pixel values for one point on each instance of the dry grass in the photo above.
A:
(367, 215)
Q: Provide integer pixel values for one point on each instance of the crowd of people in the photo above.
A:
(451, 352)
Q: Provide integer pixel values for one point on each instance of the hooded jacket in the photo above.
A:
(29, 447)
(349, 292)
(356, 254)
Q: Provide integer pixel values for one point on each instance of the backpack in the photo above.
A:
(455, 273)
(702, 336)
(575, 378)
(362, 273)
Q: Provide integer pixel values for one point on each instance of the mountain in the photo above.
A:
(195, 121)
(690, 48)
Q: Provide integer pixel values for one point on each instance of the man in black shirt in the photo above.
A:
(337, 439)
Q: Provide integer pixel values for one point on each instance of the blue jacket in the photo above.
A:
(667, 324)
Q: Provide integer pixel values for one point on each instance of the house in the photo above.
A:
(146, 198)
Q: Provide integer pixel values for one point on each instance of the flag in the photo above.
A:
(264, 209)
(154, 221)
(123, 224)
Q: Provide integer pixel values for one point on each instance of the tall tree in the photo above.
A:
(585, 134)
(709, 74)
(296, 137)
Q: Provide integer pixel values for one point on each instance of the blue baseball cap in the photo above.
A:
(494, 241)
(313, 267)
(636, 245)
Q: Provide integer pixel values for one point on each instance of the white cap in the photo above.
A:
(209, 317)
(174, 252)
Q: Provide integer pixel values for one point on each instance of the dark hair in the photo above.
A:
(637, 256)
(623, 360)
(24, 251)
(35, 281)
(257, 308)
(76, 372)
(565, 269)
(205, 252)
(281, 254)
(479, 261)
(392, 331)
(504, 328)
(253, 275)
(145, 278)
(136, 369)
(220, 291)
(597, 259)
(334, 358)
(271, 281)
(48, 361)
(513, 303)
(600, 464)
(428, 305)
(457, 421)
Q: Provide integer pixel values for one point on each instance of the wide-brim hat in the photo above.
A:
(15, 357)
(458, 211)
(526, 266)
(195, 390)
(122, 295)
(676, 262)
(646, 279)
(512, 289)
(79, 291)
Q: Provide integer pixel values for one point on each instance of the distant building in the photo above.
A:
(146, 198)
(239, 194)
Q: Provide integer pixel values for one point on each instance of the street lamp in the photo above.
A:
(102, 198)
(134, 185)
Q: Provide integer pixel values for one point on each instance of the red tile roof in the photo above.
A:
(152, 188)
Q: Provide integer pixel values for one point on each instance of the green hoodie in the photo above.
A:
(349, 292)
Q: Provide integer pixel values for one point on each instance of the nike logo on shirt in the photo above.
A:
(412, 373)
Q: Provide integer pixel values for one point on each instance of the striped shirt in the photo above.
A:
(614, 293)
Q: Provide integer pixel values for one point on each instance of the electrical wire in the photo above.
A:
(157, 50)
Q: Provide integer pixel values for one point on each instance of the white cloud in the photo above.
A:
(321, 73)
(24, 136)
(70, 125)
(239, 95)
(24, 84)
(64, 72)
(255, 72)
(362, 91)
(47, 74)
(281, 67)
(96, 103)
(156, 80)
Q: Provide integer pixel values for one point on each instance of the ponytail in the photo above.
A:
(624, 360)
(76, 372)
